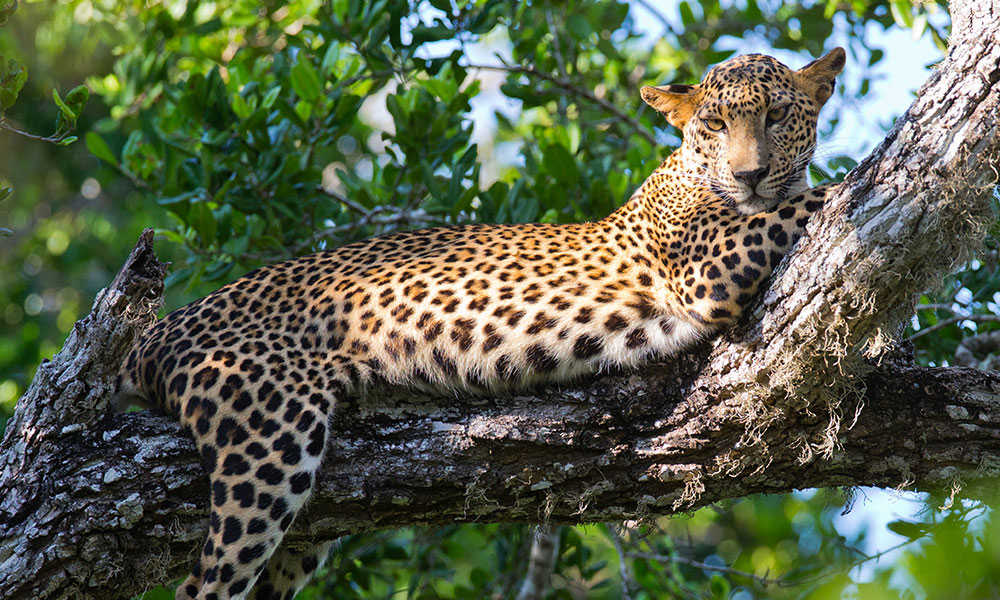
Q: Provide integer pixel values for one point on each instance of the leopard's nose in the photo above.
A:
(751, 178)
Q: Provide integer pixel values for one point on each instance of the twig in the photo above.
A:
(787, 581)
(947, 307)
(351, 204)
(952, 321)
(55, 139)
(622, 563)
(980, 344)
(132, 177)
(401, 217)
(569, 87)
(762, 580)
(556, 44)
(541, 562)
(133, 108)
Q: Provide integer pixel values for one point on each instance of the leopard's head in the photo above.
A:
(750, 126)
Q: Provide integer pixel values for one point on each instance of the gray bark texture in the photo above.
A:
(810, 391)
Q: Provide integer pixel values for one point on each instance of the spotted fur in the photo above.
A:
(255, 369)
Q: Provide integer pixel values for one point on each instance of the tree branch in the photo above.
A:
(53, 139)
(675, 558)
(979, 318)
(569, 87)
(94, 505)
(131, 498)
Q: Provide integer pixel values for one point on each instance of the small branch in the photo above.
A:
(137, 104)
(788, 581)
(947, 307)
(351, 204)
(982, 344)
(569, 87)
(556, 44)
(622, 563)
(132, 177)
(674, 558)
(952, 321)
(379, 216)
(541, 562)
(53, 139)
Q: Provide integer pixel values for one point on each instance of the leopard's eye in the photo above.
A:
(714, 124)
(776, 114)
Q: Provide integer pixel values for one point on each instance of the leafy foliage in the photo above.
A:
(248, 132)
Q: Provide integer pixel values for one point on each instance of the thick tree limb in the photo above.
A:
(102, 506)
(124, 503)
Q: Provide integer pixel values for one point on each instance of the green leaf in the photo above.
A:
(908, 529)
(158, 593)
(203, 221)
(303, 110)
(237, 245)
(524, 210)
(330, 58)
(170, 234)
(12, 77)
(7, 8)
(240, 107)
(422, 33)
(919, 25)
(218, 269)
(172, 200)
(443, 85)
(719, 586)
(66, 141)
(65, 110)
(687, 15)
(901, 13)
(271, 96)
(305, 81)
(99, 148)
(179, 276)
(560, 164)
(578, 27)
(77, 98)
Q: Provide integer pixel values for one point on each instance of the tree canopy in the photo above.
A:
(250, 132)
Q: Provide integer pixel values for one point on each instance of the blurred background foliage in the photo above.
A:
(247, 132)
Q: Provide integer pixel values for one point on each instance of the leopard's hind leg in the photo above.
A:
(262, 445)
(289, 570)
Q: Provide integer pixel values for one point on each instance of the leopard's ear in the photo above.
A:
(818, 77)
(675, 102)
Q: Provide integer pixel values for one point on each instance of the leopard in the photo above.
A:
(254, 370)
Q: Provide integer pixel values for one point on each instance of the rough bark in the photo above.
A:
(94, 505)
